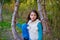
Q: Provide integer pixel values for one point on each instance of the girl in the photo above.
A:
(34, 26)
(32, 29)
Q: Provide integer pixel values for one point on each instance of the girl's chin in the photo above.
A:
(33, 20)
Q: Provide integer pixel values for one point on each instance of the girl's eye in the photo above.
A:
(33, 15)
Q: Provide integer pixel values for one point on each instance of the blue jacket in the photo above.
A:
(25, 32)
(24, 26)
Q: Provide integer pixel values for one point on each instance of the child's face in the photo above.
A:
(33, 16)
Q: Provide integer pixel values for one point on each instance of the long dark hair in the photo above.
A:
(28, 18)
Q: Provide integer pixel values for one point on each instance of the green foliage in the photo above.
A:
(52, 9)
(7, 1)
(24, 1)
(5, 25)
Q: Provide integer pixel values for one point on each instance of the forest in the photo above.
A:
(18, 10)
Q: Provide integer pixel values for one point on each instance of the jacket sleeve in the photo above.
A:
(40, 31)
(19, 25)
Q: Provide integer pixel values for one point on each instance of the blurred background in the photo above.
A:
(25, 6)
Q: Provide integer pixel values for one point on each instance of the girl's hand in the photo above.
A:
(16, 22)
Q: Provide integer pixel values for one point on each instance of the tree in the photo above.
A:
(44, 19)
(0, 12)
(13, 25)
(1, 6)
(41, 15)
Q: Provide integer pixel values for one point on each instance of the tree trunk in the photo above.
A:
(41, 16)
(1, 18)
(15, 35)
(46, 18)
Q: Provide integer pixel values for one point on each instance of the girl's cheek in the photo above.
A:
(35, 17)
(31, 17)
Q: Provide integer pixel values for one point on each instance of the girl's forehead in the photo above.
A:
(33, 13)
